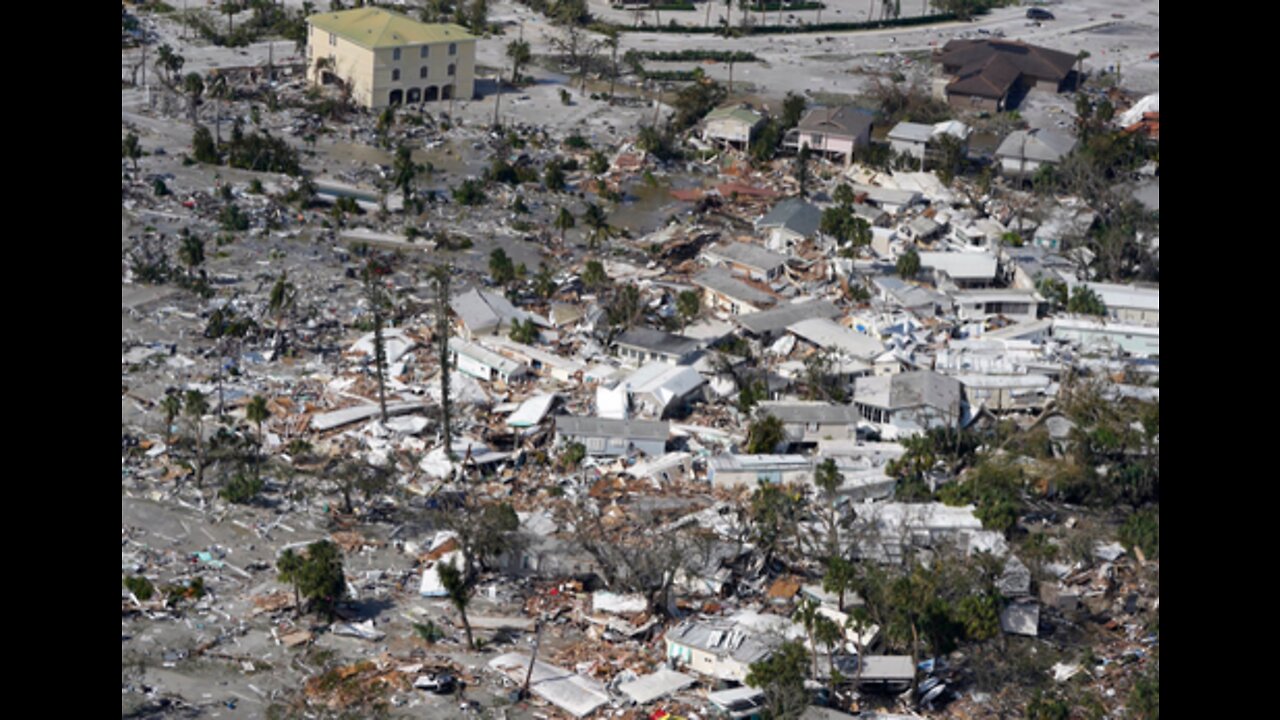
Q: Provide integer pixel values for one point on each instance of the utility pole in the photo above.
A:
(497, 99)
(537, 640)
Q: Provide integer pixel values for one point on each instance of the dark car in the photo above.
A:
(1039, 14)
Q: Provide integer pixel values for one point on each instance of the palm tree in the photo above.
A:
(611, 36)
(829, 479)
(802, 169)
(221, 90)
(688, 304)
(281, 301)
(459, 591)
(707, 22)
(377, 298)
(404, 171)
(827, 632)
(191, 253)
(130, 149)
(193, 85)
(544, 283)
(172, 407)
(196, 408)
(1080, 58)
(169, 62)
(518, 51)
(230, 8)
(595, 219)
(256, 412)
(564, 222)
(808, 615)
(442, 274)
(289, 566)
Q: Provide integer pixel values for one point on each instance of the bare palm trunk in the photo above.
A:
(380, 363)
(199, 454)
(466, 625)
(613, 76)
(497, 100)
(915, 640)
(831, 670)
(814, 645)
(707, 22)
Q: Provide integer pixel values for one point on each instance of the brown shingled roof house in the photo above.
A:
(986, 72)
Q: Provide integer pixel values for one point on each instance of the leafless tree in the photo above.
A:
(645, 562)
(578, 50)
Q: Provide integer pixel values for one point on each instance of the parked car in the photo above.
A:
(441, 684)
(1039, 14)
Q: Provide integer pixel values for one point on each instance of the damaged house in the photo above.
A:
(640, 345)
(747, 260)
(723, 291)
(605, 436)
(911, 400)
(719, 649)
(484, 364)
(810, 422)
(485, 313)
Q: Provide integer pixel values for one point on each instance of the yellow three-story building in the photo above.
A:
(389, 59)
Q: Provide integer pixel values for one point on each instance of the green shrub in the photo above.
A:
(242, 489)
(428, 631)
(1142, 530)
(140, 587)
(574, 454)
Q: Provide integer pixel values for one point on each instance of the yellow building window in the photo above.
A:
(453, 49)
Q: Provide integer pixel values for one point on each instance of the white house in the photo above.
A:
(1017, 305)
(1023, 152)
(480, 363)
(1100, 336)
(913, 139)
